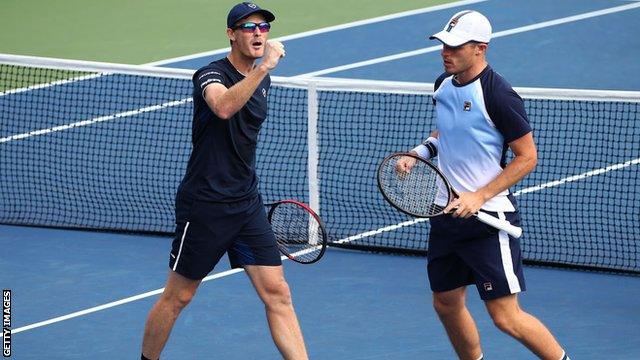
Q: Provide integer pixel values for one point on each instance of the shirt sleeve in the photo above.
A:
(207, 76)
(506, 110)
(438, 82)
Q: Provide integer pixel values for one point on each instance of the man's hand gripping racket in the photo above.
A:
(411, 184)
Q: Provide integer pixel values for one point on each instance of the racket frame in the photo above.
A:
(488, 219)
(450, 192)
(319, 223)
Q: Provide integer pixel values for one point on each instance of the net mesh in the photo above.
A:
(93, 151)
(106, 149)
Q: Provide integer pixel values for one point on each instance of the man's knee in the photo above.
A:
(506, 319)
(178, 299)
(446, 304)
(277, 293)
(505, 313)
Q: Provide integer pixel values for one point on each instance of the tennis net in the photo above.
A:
(104, 146)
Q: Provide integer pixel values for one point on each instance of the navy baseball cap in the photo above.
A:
(245, 9)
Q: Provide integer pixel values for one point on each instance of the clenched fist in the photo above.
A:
(273, 51)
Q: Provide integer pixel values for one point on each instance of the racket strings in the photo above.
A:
(297, 232)
(416, 190)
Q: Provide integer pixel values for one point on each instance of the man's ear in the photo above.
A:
(482, 48)
(231, 35)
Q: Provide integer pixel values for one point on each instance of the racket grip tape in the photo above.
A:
(504, 225)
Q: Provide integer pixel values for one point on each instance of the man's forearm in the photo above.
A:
(515, 171)
(237, 96)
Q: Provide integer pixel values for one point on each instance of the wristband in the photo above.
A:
(428, 148)
(432, 144)
(422, 151)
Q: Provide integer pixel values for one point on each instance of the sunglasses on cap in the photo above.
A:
(250, 27)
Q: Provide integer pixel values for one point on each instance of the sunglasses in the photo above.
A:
(250, 27)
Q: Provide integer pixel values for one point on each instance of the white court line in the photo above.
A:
(94, 68)
(97, 120)
(138, 297)
(498, 34)
(114, 303)
(327, 29)
(578, 177)
(341, 241)
(53, 83)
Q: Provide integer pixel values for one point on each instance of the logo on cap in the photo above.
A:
(251, 5)
(452, 24)
(454, 20)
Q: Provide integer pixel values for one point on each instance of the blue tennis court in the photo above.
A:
(78, 293)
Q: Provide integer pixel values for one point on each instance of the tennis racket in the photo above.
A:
(300, 233)
(414, 192)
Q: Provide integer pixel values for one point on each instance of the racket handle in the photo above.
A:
(500, 224)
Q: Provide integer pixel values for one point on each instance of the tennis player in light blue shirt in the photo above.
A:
(479, 117)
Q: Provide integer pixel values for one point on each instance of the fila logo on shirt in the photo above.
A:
(264, 92)
(487, 286)
(467, 106)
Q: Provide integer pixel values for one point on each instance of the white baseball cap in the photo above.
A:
(465, 26)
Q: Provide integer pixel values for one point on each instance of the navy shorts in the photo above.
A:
(466, 251)
(206, 230)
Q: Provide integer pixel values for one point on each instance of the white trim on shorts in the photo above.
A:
(507, 260)
(184, 234)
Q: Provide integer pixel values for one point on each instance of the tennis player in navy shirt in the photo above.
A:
(218, 207)
(479, 117)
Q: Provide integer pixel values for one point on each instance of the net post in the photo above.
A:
(312, 141)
